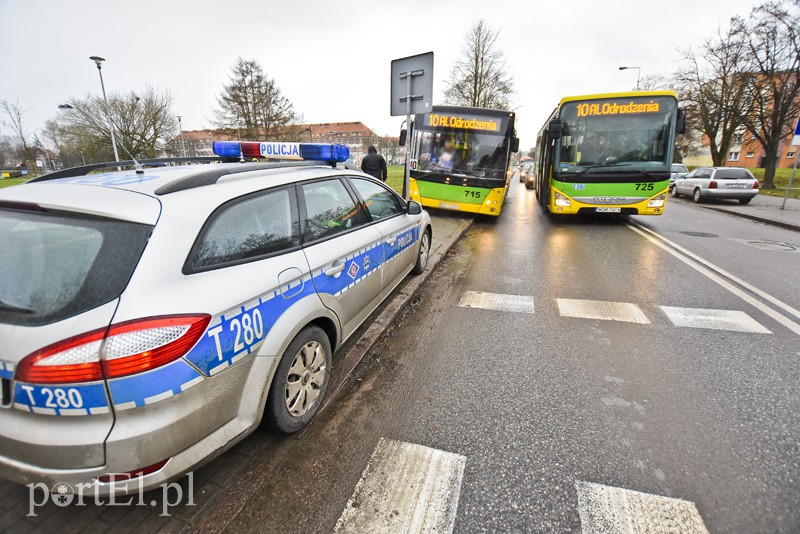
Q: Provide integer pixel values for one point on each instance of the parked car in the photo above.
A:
(676, 170)
(706, 183)
(152, 318)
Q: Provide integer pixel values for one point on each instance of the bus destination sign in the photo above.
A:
(463, 122)
(600, 109)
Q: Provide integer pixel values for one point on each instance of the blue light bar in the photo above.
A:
(324, 152)
(226, 149)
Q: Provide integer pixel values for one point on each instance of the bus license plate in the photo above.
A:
(449, 206)
(608, 210)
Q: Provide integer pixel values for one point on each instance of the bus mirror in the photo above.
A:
(554, 129)
(680, 123)
(403, 134)
(515, 144)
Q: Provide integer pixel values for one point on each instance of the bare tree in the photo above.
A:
(14, 113)
(712, 89)
(252, 102)
(479, 77)
(142, 121)
(772, 38)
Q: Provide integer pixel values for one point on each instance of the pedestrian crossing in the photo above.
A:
(409, 488)
(713, 319)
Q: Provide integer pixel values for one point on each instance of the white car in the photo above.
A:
(152, 318)
(706, 183)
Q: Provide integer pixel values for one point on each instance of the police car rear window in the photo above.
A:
(56, 266)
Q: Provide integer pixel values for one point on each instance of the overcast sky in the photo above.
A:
(332, 59)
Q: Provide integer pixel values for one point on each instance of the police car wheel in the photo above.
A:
(300, 381)
(424, 253)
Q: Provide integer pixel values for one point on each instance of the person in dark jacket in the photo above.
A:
(374, 164)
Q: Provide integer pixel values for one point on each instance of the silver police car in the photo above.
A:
(152, 318)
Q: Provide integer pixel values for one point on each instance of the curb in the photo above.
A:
(345, 363)
(765, 220)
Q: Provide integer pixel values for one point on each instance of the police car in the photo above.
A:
(152, 318)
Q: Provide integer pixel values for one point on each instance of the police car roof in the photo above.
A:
(160, 181)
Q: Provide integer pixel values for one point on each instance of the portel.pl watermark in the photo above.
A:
(87, 494)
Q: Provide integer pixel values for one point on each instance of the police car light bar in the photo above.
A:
(270, 150)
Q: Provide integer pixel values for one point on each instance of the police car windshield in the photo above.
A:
(57, 266)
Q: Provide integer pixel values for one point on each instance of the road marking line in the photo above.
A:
(733, 320)
(405, 488)
(605, 311)
(704, 267)
(496, 301)
(607, 510)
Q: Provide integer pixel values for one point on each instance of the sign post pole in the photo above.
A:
(405, 70)
(795, 142)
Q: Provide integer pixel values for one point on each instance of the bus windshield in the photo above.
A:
(616, 134)
(461, 152)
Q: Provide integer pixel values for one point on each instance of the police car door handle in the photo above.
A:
(390, 240)
(335, 271)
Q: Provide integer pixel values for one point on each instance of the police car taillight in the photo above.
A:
(125, 349)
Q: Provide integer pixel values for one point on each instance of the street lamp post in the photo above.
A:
(183, 143)
(98, 61)
(69, 106)
(638, 73)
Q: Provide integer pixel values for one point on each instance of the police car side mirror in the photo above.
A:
(413, 208)
(403, 134)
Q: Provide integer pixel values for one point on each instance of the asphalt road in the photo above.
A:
(551, 366)
(542, 403)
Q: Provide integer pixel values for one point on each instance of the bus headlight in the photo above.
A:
(562, 200)
(657, 202)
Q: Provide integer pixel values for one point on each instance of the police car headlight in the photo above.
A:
(562, 200)
(657, 202)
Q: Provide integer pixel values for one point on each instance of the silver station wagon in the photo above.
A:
(152, 318)
(705, 183)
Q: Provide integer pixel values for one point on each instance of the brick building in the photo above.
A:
(746, 151)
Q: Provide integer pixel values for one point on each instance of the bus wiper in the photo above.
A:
(590, 167)
(646, 175)
(4, 306)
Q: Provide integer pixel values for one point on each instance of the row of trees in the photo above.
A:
(250, 106)
(746, 79)
(143, 121)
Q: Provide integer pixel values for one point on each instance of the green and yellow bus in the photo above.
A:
(460, 158)
(608, 153)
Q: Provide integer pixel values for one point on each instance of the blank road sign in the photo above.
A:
(420, 69)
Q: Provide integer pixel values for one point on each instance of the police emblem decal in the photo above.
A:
(353, 270)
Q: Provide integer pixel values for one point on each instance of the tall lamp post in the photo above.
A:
(98, 61)
(183, 143)
(638, 73)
